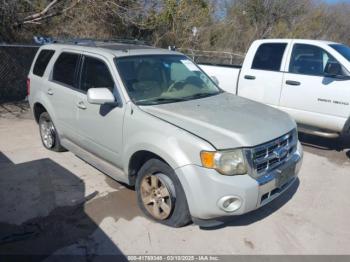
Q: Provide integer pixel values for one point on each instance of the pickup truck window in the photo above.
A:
(342, 49)
(156, 79)
(42, 61)
(95, 74)
(64, 68)
(309, 60)
(269, 56)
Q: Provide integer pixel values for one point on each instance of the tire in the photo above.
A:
(345, 135)
(176, 214)
(48, 134)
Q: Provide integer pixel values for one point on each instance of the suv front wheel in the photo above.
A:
(48, 134)
(160, 194)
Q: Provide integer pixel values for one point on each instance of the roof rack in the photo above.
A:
(88, 41)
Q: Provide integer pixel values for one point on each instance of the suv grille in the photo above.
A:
(268, 156)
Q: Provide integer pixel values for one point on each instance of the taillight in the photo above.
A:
(28, 86)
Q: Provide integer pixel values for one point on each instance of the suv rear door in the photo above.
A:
(261, 75)
(100, 126)
(61, 91)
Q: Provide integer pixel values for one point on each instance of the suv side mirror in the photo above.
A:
(100, 96)
(333, 69)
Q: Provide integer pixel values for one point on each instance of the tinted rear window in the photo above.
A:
(64, 68)
(42, 61)
(269, 56)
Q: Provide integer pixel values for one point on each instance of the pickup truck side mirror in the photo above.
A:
(333, 69)
(100, 96)
(215, 80)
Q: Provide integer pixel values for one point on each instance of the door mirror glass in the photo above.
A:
(215, 80)
(333, 69)
(100, 96)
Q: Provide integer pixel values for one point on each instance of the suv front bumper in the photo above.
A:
(205, 188)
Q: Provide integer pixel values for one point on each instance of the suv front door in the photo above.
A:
(100, 126)
(309, 94)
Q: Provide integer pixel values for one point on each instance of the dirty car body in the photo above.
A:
(151, 118)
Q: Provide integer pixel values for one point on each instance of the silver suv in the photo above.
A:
(151, 118)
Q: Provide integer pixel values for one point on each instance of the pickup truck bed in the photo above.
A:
(226, 75)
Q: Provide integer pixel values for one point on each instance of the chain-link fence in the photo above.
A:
(15, 62)
(213, 57)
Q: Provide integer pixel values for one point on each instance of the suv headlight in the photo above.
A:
(228, 162)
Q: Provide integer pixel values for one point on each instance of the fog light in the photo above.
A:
(229, 203)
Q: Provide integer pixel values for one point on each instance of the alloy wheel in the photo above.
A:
(156, 197)
(47, 133)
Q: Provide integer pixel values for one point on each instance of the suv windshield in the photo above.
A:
(158, 79)
(342, 49)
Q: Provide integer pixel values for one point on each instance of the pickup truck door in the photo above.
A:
(261, 76)
(100, 126)
(309, 95)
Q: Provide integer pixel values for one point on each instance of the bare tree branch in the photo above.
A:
(41, 13)
(51, 10)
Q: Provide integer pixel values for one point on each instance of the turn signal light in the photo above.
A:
(208, 159)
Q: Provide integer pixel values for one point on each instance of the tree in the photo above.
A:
(173, 21)
(16, 14)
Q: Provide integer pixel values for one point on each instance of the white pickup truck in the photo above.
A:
(309, 79)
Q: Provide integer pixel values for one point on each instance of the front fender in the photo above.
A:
(176, 146)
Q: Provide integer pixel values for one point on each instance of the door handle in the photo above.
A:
(50, 92)
(249, 77)
(81, 105)
(292, 83)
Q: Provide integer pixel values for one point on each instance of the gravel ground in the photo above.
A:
(54, 203)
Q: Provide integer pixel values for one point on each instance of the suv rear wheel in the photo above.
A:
(48, 134)
(160, 194)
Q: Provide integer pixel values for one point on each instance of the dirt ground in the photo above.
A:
(55, 203)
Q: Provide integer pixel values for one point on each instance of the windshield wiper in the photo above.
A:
(164, 100)
(158, 100)
(199, 95)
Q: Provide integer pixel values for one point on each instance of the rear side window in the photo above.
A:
(42, 61)
(65, 67)
(269, 56)
(95, 74)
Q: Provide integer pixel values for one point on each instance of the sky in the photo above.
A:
(336, 1)
(222, 4)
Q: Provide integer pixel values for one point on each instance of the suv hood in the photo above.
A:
(226, 120)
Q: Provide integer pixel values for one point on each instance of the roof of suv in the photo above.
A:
(116, 49)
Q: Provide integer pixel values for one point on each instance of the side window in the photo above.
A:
(269, 56)
(42, 61)
(64, 68)
(309, 60)
(95, 74)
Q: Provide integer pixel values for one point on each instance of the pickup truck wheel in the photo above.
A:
(160, 194)
(48, 134)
